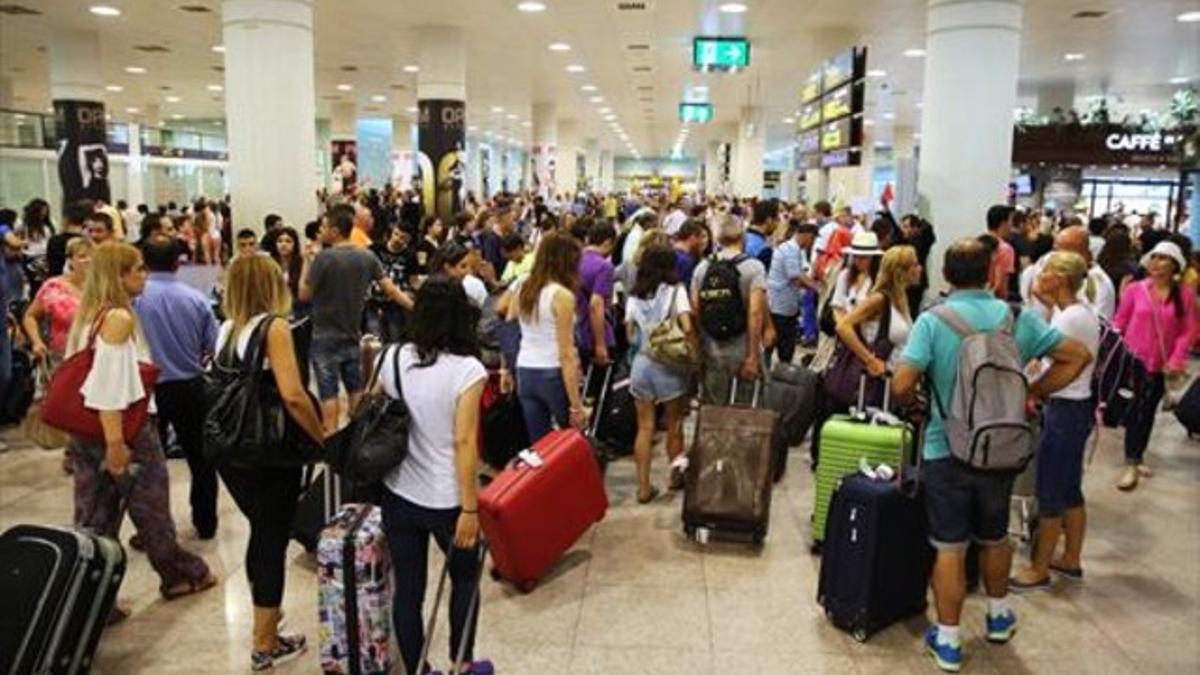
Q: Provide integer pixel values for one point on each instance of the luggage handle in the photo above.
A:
(601, 398)
(431, 624)
(861, 411)
(754, 392)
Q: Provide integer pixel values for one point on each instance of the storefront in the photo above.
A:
(1098, 169)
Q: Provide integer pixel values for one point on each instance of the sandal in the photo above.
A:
(649, 497)
(116, 615)
(1072, 572)
(189, 588)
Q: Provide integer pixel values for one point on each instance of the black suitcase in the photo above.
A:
(876, 560)
(59, 586)
(323, 497)
(1187, 409)
(792, 392)
(614, 417)
(504, 431)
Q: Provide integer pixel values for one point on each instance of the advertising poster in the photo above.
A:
(544, 182)
(485, 170)
(82, 150)
(442, 138)
(344, 160)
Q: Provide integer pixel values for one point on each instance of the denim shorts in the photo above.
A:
(650, 380)
(336, 359)
(964, 504)
(1068, 423)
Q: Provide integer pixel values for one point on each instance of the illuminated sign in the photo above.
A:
(720, 53)
(700, 113)
(810, 117)
(812, 89)
(836, 104)
(809, 142)
(1147, 142)
(839, 70)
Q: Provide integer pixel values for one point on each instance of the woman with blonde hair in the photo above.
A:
(1067, 423)
(627, 271)
(112, 474)
(56, 303)
(860, 327)
(257, 302)
(548, 374)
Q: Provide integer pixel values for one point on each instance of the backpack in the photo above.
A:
(722, 309)
(1114, 377)
(986, 424)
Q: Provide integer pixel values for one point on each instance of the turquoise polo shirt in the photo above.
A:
(933, 349)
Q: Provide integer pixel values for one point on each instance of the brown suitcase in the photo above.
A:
(730, 472)
(370, 347)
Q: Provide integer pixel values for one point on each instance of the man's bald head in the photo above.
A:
(966, 264)
(1075, 240)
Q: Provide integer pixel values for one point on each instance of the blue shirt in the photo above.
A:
(933, 349)
(755, 241)
(178, 324)
(790, 262)
(685, 267)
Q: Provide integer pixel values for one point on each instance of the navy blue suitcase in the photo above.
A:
(876, 559)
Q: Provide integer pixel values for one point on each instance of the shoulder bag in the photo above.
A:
(376, 440)
(63, 407)
(846, 370)
(669, 343)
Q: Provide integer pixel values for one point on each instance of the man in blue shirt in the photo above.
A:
(787, 280)
(182, 331)
(690, 240)
(962, 503)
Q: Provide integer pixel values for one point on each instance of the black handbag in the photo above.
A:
(376, 440)
(247, 423)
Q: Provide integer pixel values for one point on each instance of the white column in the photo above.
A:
(8, 124)
(608, 169)
(904, 149)
(403, 151)
(1057, 95)
(568, 148)
(712, 169)
(269, 58)
(592, 162)
(75, 65)
(973, 50)
(750, 147)
(135, 168)
(544, 151)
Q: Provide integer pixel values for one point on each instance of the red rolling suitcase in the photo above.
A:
(540, 505)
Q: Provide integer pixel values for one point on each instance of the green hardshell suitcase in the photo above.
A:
(847, 440)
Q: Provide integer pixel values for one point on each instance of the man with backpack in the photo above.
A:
(729, 291)
(976, 445)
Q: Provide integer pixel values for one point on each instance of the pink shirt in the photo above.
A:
(61, 301)
(1135, 320)
(1003, 263)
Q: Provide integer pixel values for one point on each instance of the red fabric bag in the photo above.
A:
(63, 407)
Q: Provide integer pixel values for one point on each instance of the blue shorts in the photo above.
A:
(652, 381)
(1068, 423)
(964, 504)
(336, 359)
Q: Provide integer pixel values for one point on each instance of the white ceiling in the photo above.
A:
(1131, 54)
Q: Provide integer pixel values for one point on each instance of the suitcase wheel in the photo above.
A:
(527, 586)
(759, 538)
(860, 634)
(496, 574)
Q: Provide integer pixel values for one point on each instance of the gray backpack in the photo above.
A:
(986, 423)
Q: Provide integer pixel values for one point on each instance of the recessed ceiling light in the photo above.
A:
(510, 116)
(604, 111)
(173, 99)
(412, 108)
(219, 123)
(588, 88)
(104, 10)
(527, 124)
(876, 73)
(610, 118)
(733, 8)
(596, 99)
(135, 70)
(889, 116)
(176, 116)
(868, 123)
(531, 7)
(1179, 80)
(575, 68)
(472, 129)
(410, 68)
(1073, 56)
(559, 47)
(115, 88)
(1188, 17)
(789, 120)
(914, 53)
(345, 87)
(379, 98)
(917, 137)
(132, 111)
(220, 49)
(216, 87)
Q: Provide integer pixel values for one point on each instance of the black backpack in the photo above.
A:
(722, 309)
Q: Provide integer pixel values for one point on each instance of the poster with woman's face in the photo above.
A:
(344, 155)
(82, 150)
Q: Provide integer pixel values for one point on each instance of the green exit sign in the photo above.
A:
(700, 113)
(720, 53)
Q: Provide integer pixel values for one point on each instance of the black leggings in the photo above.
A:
(268, 499)
(1140, 422)
(408, 527)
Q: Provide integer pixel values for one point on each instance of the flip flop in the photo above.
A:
(189, 588)
(650, 497)
(1074, 573)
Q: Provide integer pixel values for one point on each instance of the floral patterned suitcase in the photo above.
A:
(354, 574)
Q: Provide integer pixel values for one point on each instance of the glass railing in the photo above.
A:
(36, 130)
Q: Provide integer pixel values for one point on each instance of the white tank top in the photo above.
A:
(539, 341)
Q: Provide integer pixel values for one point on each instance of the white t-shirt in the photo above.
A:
(823, 236)
(1103, 298)
(646, 314)
(1080, 323)
(539, 334)
(428, 476)
(673, 222)
(477, 292)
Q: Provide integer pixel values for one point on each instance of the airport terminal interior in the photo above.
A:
(830, 198)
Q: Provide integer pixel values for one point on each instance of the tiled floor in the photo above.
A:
(635, 597)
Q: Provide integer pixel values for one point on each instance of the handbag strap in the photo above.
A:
(94, 331)
(256, 350)
(1158, 331)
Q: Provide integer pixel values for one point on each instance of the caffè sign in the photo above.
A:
(1098, 145)
(1155, 141)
